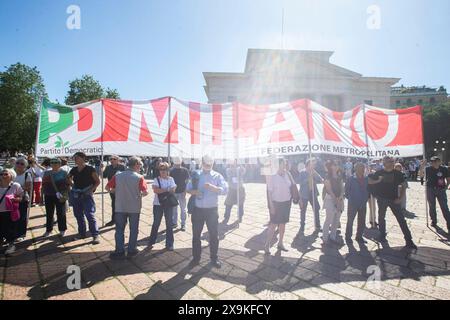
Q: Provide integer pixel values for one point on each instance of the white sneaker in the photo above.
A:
(47, 234)
(21, 239)
(62, 233)
(10, 250)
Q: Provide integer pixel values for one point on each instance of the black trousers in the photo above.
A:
(8, 228)
(113, 205)
(383, 204)
(210, 216)
(23, 221)
(52, 203)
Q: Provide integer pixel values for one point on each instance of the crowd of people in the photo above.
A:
(180, 188)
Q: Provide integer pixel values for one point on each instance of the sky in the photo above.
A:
(147, 48)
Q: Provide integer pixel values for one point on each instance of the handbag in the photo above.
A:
(167, 199)
(294, 191)
(64, 196)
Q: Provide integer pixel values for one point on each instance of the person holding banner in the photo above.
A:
(84, 181)
(309, 178)
(235, 178)
(437, 182)
(389, 181)
(333, 201)
(110, 171)
(211, 184)
(356, 191)
(181, 177)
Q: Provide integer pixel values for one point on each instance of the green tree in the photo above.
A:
(21, 90)
(88, 89)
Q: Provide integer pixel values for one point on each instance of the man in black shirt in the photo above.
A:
(437, 182)
(389, 181)
(181, 177)
(109, 173)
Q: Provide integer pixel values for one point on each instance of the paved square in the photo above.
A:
(38, 270)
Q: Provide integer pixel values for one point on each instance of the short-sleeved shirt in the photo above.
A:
(388, 187)
(167, 183)
(436, 178)
(23, 178)
(15, 189)
(82, 179)
(60, 179)
(181, 177)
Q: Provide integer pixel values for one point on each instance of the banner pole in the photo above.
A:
(238, 169)
(169, 131)
(309, 131)
(424, 154)
(372, 209)
(101, 165)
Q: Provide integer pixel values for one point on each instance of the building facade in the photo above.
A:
(273, 76)
(412, 96)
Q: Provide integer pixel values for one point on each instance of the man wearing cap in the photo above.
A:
(110, 171)
(389, 182)
(437, 181)
(211, 184)
(181, 177)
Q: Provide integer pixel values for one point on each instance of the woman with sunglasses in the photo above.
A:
(25, 179)
(7, 226)
(162, 184)
(54, 187)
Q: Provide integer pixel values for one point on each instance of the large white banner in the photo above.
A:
(226, 131)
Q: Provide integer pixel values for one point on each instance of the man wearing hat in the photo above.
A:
(437, 181)
(390, 190)
(211, 184)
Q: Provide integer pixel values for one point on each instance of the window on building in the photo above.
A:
(420, 101)
(232, 98)
(398, 103)
(409, 102)
(432, 100)
(369, 102)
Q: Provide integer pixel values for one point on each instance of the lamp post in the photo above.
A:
(440, 148)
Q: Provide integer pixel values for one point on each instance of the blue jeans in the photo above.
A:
(121, 219)
(181, 197)
(84, 205)
(158, 213)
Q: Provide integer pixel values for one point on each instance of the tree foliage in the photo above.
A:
(87, 89)
(21, 90)
(436, 121)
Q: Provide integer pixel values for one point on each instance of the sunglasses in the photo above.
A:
(5, 174)
(20, 163)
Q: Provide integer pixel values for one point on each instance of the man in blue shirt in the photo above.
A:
(357, 193)
(206, 190)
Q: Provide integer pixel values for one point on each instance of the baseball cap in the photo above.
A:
(435, 158)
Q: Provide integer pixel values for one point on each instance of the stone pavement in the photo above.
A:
(308, 271)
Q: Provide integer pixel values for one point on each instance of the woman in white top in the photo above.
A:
(25, 180)
(280, 199)
(7, 225)
(162, 185)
